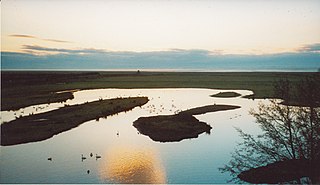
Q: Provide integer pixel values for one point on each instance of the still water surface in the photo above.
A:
(130, 157)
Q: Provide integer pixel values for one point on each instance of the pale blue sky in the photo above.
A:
(226, 26)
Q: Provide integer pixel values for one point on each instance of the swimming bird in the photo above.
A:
(88, 171)
(50, 159)
(98, 156)
(82, 157)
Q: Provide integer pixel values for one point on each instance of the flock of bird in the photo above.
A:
(91, 155)
(21, 113)
(82, 157)
(236, 116)
(154, 109)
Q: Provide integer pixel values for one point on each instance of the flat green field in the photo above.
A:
(24, 88)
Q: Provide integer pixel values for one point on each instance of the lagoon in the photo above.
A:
(126, 155)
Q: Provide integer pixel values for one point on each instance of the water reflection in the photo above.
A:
(188, 161)
(128, 165)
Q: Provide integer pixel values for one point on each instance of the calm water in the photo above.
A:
(131, 157)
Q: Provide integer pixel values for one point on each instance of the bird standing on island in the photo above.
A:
(98, 156)
(83, 158)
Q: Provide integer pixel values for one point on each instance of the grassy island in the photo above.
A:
(42, 126)
(169, 128)
(226, 95)
(209, 108)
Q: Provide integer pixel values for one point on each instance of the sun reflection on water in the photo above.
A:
(128, 165)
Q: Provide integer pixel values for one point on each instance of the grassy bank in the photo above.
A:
(19, 89)
(45, 125)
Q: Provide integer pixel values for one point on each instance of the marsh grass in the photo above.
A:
(22, 89)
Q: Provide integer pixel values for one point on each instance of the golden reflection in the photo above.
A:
(131, 165)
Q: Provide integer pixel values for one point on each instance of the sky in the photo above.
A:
(216, 27)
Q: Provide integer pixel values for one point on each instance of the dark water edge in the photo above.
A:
(175, 70)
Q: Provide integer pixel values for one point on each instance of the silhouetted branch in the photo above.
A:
(291, 137)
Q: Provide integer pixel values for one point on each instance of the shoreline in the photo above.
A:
(306, 70)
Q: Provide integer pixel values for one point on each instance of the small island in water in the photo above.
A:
(170, 128)
(226, 95)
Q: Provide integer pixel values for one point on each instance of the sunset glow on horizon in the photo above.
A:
(225, 27)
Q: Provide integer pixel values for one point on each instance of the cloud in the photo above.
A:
(91, 58)
(23, 36)
(34, 49)
(314, 48)
(55, 40)
(173, 53)
(34, 37)
(97, 59)
(40, 57)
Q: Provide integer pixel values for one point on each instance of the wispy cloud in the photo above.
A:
(55, 40)
(34, 37)
(314, 48)
(34, 48)
(173, 53)
(23, 36)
